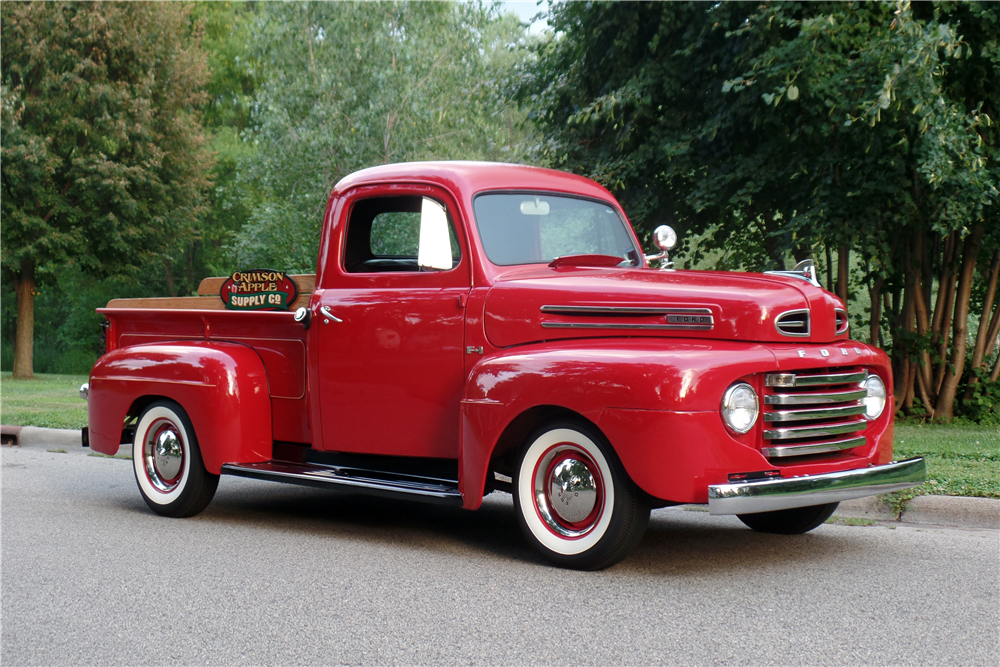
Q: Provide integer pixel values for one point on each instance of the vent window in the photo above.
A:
(794, 323)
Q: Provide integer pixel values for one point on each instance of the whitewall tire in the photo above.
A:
(167, 462)
(575, 502)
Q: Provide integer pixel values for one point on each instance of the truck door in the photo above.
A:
(389, 326)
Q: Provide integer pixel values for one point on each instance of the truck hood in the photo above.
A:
(531, 304)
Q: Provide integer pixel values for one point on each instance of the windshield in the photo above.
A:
(537, 228)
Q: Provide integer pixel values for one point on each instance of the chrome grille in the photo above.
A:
(793, 323)
(808, 413)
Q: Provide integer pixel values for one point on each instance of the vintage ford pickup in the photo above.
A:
(484, 327)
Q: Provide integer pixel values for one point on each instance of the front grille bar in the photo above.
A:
(795, 432)
(793, 380)
(819, 448)
(815, 399)
(819, 413)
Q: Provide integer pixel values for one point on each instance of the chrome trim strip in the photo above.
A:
(613, 325)
(777, 321)
(815, 380)
(815, 399)
(847, 322)
(833, 487)
(817, 413)
(329, 476)
(678, 319)
(623, 310)
(820, 448)
(818, 431)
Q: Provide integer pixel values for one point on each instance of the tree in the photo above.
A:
(348, 85)
(104, 159)
(786, 129)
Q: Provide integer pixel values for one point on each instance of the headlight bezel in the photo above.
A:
(873, 381)
(739, 391)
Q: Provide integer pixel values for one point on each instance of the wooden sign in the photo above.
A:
(259, 289)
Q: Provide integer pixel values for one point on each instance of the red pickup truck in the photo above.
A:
(486, 327)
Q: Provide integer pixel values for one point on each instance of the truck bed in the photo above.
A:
(276, 337)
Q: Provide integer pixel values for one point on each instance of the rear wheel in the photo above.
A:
(167, 462)
(575, 502)
(793, 521)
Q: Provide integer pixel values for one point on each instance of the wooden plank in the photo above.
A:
(171, 302)
(211, 286)
(189, 302)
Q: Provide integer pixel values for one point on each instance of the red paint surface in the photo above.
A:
(440, 363)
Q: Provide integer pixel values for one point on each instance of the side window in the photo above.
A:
(408, 233)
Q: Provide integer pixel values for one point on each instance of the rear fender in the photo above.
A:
(222, 387)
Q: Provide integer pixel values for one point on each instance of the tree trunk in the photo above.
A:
(941, 325)
(843, 260)
(875, 323)
(24, 340)
(986, 325)
(829, 268)
(945, 407)
(905, 399)
(169, 270)
(914, 275)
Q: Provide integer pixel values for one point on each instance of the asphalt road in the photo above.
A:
(274, 574)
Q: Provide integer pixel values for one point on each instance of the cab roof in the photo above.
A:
(469, 178)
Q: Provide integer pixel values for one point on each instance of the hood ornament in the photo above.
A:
(665, 239)
(804, 270)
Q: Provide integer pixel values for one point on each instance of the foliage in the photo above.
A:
(104, 158)
(344, 86)
(787, 129)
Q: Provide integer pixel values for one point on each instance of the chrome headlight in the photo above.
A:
(740, 407)
(875, 400)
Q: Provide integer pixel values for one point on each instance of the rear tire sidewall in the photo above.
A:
(186, 496)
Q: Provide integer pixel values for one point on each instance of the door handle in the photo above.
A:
(325, 310)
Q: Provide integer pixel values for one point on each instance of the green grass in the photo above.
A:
(52, 401)
(961, 460)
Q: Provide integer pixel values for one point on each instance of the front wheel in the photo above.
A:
(167, 462)
(575, 502)
(793, 521)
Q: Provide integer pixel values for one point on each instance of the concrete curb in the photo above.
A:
(36, 437)
(957, 511)
(954, 511)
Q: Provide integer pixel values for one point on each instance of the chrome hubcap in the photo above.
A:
(163, 454)
(568, 491)
(572, 490)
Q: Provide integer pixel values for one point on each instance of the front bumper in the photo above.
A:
(833, 487)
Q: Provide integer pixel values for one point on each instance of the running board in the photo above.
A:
(372, 482)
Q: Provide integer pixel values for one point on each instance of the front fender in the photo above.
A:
(222, 387)
(589, 378)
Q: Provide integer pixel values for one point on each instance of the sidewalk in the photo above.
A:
(955, 511)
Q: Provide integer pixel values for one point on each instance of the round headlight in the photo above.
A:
(740, 407)
(875, 400)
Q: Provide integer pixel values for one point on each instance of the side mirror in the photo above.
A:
(665, 239)
(435, 244)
